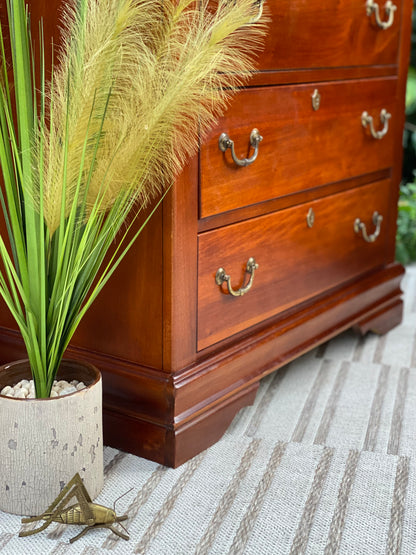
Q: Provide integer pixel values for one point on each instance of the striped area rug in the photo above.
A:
(324, 462)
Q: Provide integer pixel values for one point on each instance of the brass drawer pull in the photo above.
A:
(389, 9)
(366, 119)
(360, 226)
(224, 142)
(221, 277)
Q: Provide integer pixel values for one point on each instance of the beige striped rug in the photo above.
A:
(324, 462)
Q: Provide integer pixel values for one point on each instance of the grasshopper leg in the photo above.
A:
(82, 533)
(93, 526)
(118, 533)
(31, 519)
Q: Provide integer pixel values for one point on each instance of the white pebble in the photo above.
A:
(6, 390)
(21, 394)
(68, 390)
(26, 389)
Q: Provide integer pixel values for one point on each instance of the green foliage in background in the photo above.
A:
(406, 224)
(406, 220)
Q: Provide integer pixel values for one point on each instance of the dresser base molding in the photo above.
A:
(207, 396)
(382, 320)
(172, 445)
(171, 417)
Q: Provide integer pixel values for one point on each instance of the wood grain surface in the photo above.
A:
(178, 356)
(334, 33)
(295, 261)
(301, 148)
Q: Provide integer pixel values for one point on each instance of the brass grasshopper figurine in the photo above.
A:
(84, 512)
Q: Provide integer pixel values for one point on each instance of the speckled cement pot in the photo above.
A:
(44, 442)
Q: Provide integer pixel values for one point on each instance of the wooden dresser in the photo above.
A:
(264, 248)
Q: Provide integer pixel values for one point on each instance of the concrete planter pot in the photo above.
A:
(44, 442)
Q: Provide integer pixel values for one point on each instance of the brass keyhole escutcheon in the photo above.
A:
(310, 218)
(316, 100)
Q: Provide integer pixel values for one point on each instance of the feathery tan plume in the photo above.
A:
(138, 82)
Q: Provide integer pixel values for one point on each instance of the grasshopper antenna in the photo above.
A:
(118, 498)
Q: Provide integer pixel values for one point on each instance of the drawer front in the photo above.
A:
(302, 148)
(333, 33)
(295, 261)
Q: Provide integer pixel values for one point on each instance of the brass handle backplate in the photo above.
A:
(221, 276)
(389, 9)
(224, 142)
(367, 120)
(360, 227)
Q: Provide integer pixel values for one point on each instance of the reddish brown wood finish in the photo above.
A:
(329, 34)
(381, 321)
(294, 199)
(301, 148)
(295, 261)
(126, 322)
(300, 76)
(167, 399)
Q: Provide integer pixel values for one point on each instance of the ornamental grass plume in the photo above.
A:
(139, 83)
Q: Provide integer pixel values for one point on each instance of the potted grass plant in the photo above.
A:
(137, 85)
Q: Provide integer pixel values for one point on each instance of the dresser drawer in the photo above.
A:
(334, 33)
(302, 148)
(295, 261)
